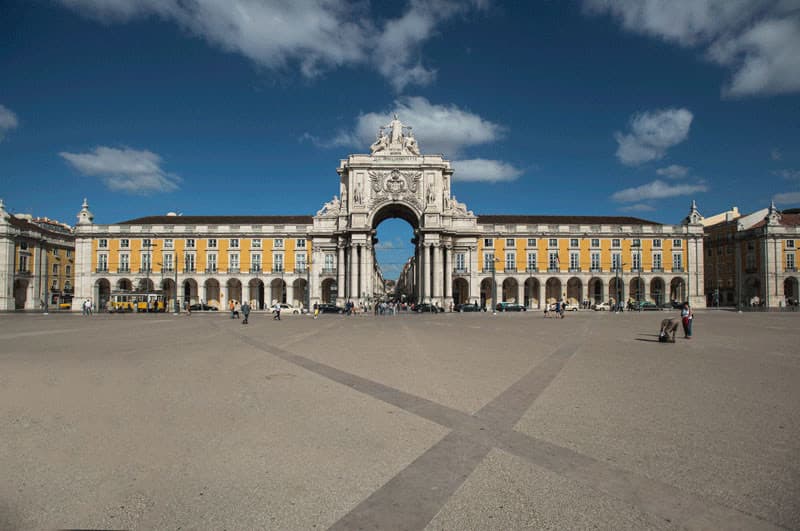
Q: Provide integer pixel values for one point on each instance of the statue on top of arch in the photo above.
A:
(399, 140)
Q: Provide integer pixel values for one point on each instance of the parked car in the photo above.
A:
(426, 308)
(288, 308)
(644, 306)
(601, 307)
(330, 308)
(570, 307)
(510, 307)
(202, 308)
(467, 307)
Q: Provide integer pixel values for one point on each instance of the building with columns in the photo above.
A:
(36, 262)
(330, 256)
(751, 260)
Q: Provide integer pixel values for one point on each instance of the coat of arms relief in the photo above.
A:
(395, 185)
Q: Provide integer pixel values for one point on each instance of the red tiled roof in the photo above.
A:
(27, 225)
(219, 220)
(563, 220)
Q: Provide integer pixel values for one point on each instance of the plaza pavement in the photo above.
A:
(455, 421)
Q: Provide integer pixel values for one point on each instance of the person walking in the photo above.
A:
(231, 307)
(686, 319)
(316, 310)
(277, 310)
(245, 312)
(237, 308)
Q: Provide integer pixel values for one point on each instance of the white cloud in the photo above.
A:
(791, 175)
(656, 190)
(8, 121)
(638, 207)
(438, 128)
(775, 154)
(757, 39)
(652, 133)
(316, 35)
(126, 170)
(474, 170)
(787, 198)
(673, 171)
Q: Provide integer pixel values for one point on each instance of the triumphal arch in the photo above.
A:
(394, 181)
(330, 256)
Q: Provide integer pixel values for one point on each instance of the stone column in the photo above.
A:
(353, 292)
(201, 292)
(448, 275)
(340, 270)
(474, 276)
(438, 272)
(419, 275)
(290, 293)
(369, 270)
(426, 250)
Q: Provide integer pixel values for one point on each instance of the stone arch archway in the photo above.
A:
(234, 289)
(102, 292)
(677, 289)
(510, 290)
(20, 293)
(329, 290)
(574, 289)
(636, 289)
(533, 293)
(277, 291)
(657, 290)
(212, 297)
(486, 293)
(596, 290)
(124, 284)
(552, 290)
(256, 293)
(190, 291)
(299, 293)
(616, 290)
(790, 291)
(460, 291)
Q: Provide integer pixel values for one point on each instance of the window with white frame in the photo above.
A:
(461, 262)
(531, 242)
(488, 242)
(553, 242)
(102, 262)
(656, 244)
(102, 243)
(167, 259)
(68, 270)
(573, 242)
(511, 261)
(277, 261)
(488, 261)
(278, 242)
(54, 284)
(212, 243)
(124, 262)
(211, 262)
(532, 262)
(553, 262)
(255, 261)
(595, 242)
(300, 262)
(615, 243)
(677, 262)
(574, 261)
(636, 260)
(790, 244)
(677, 243)
(146, 263)
(168, 242)
(616, 261)
(233, 260)
(23, 246)
(55, 269)
(255, 243)
(124, 243)
(595, 258)
(23, 263)
(657, 264)
(330, 262)
(147, 243)
(190, 243)
(790, 265)
(69, 253)
(510, 242)
(301, 243)
(189, 262)
(234, 243)
(636, 242)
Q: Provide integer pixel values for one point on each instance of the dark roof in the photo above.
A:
(219, 220)
(29, 225)
(563, 220)
(789, 220)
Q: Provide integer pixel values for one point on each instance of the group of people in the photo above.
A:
(237, 307)
(670, 326)
(557, 310)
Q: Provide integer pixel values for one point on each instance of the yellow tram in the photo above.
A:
(134, 301)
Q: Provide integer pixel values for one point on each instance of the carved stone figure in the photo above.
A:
(331, 207)
(411, 144)
(358, 196)
(431, 196)
(381, 143)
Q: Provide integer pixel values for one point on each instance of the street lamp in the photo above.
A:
(494, 285)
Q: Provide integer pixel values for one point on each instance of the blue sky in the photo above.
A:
(245, 107)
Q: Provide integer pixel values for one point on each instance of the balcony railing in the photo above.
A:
(123, 269)
(791, 269)
(553, 270)
(531, 269)
(103, 269)
(212, 269)
(677, 270)
(23, 273)
(328, 271)
(255, 269)
(233, 270)
(300, 270)
(278, 270)
(657, 270)
(574, 269)
(189, 269)
(595, 269)
(460, 271)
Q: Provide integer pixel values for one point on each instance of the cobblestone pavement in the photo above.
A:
(454, 421)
